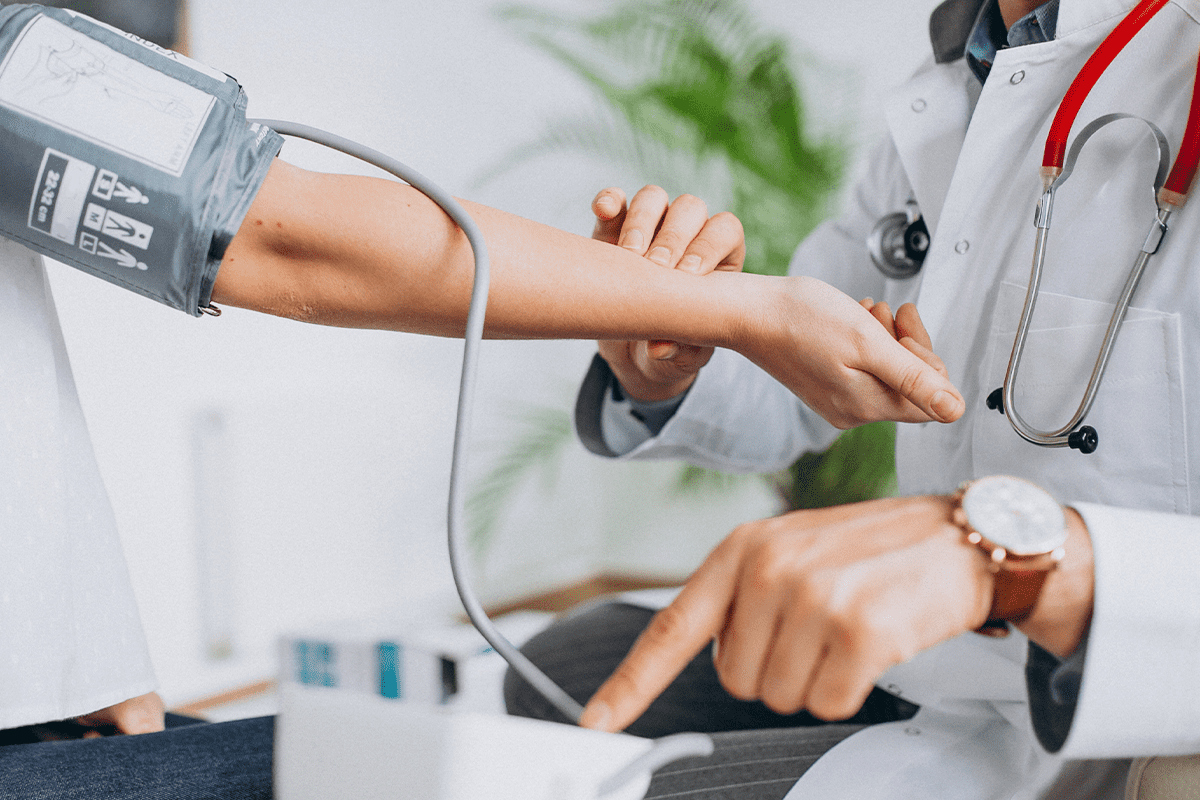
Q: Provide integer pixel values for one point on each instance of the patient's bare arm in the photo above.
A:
(364, 252)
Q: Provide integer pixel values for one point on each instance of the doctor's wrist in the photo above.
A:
(1038, 554)
(1019, 530)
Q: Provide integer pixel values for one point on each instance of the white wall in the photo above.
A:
(323, 453)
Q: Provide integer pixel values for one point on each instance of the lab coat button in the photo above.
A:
(962, 246)
(918, 105)
(1017, 77)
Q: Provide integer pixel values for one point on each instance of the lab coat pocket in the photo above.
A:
(1141, 461)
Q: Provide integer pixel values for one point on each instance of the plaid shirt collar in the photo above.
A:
(988, 36)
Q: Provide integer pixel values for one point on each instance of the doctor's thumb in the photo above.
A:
(946, 407)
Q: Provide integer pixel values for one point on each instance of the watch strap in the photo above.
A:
(1016, 593)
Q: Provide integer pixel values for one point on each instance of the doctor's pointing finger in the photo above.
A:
(809, 609)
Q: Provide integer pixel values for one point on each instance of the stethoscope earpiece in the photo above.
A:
(1085, 440)
(995, 400)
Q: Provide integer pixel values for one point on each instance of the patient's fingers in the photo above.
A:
(920, 382)
(925, 354)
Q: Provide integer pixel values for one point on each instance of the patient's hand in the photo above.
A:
(144, 714)
(905, 327)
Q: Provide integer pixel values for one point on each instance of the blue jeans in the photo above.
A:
(190, 760)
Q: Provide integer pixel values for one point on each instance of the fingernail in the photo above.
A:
(596, 716)
(662, 350)
(945, 406)
(690, 264)
(660, 256)
(632, 240)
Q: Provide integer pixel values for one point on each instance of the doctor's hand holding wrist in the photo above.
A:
(852, 371)
(809, 609)
(678, 235)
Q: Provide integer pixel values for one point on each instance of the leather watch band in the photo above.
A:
(1015, 594)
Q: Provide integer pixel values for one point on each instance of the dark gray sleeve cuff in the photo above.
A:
(602, 405)
(1053, 686)
(588, 406)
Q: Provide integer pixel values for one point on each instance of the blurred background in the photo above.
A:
(268, 475)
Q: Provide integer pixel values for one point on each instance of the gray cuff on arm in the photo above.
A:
(602, 406)
(1053, 686)
(131, 163)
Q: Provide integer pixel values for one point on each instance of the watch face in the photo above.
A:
(1015, 514)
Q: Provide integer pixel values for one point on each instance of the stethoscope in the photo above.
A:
(887, 242)
(899, 242)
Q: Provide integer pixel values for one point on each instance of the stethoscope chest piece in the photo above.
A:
(899, 242)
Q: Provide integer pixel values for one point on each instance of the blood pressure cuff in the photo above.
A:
(123, 159)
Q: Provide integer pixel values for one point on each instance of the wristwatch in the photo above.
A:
(1022, 530)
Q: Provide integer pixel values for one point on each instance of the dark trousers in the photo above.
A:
(191, 760)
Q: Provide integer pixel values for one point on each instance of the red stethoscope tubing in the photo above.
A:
(1184, 169)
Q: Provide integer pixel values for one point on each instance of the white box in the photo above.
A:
(331, 744)
(432, 664)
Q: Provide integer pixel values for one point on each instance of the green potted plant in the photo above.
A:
(695, 91)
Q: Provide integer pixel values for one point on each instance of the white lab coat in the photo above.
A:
(71, 640)
(975, 177)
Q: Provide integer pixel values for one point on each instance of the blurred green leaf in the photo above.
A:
(696, 82)
(860, 465)
(543, 435)
(701, 79)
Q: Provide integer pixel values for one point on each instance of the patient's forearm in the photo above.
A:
(363, 252)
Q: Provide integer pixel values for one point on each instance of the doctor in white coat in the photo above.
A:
(810, 609)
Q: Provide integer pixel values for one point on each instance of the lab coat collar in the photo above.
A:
(950, 26)
(927, 118)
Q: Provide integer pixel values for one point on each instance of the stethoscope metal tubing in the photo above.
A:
(1061, 437)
